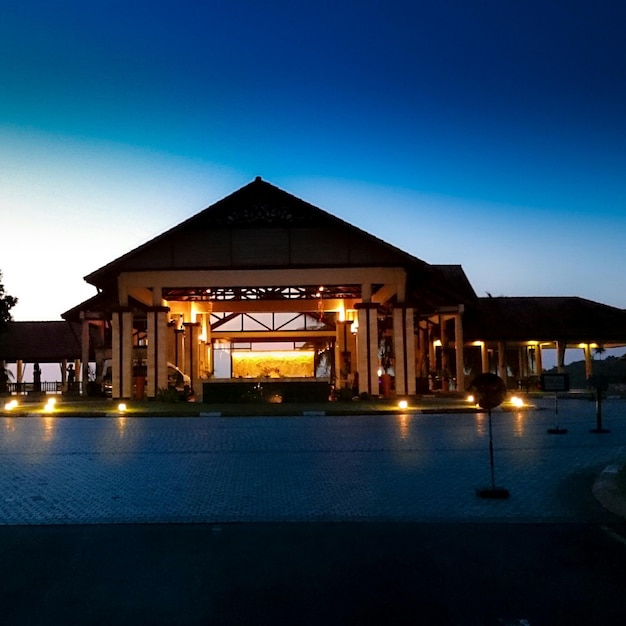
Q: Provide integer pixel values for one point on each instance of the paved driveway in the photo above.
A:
(351, 468)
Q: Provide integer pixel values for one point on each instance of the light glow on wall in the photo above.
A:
(341, 312)
(273, 364)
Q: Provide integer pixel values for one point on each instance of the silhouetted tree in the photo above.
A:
(7, 302)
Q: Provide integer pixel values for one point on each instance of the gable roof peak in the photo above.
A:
(258, 206)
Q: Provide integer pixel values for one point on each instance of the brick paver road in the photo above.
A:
(407, 467)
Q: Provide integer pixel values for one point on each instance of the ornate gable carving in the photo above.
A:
(261, 214)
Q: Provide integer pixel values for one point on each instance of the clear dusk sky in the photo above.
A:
(488, 133)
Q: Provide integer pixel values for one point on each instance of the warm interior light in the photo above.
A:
(355, 325)
(121, 407)
(341, 312)
(403, 404)
(437, 343)
(273, 363)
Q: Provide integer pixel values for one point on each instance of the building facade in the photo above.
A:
(265, 290)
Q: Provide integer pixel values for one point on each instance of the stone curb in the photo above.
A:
(607, 493)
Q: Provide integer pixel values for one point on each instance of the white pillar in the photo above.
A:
(367, 348)
(404, 350)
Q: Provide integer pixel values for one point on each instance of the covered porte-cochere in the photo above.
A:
(265, 296)
(263, 291)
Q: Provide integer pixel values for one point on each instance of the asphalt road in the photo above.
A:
(313, 573)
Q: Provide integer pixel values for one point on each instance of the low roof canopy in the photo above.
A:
(568, 319)
(40, 342)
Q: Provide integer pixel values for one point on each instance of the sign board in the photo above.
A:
(554, 382)
(491, 390)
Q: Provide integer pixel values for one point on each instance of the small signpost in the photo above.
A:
(556, 383)
(490, 392)
(601, 385)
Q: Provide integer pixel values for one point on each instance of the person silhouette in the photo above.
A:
(37, 377)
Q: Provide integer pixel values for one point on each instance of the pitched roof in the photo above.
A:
(40, 342)
(95, 307)
(455, 279)
(259, 225)
(544, 319)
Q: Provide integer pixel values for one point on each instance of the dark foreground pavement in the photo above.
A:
(453, 574)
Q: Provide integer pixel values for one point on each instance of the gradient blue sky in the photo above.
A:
(488, 133)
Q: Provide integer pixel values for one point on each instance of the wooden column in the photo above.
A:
(345, 354)
(502, 361)
(459, 345)
(192, 354)
(84, 353)
(538, 360)
(206, 357)
(432, 354)
(64, 375)
(19, 372)
(122, 353)
(484, 357)
(156, 367)
(560, 356)
(77, 375)
(179, 348)
(445, 365)
(588, 361)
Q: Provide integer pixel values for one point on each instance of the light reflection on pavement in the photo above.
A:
(408, 467)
